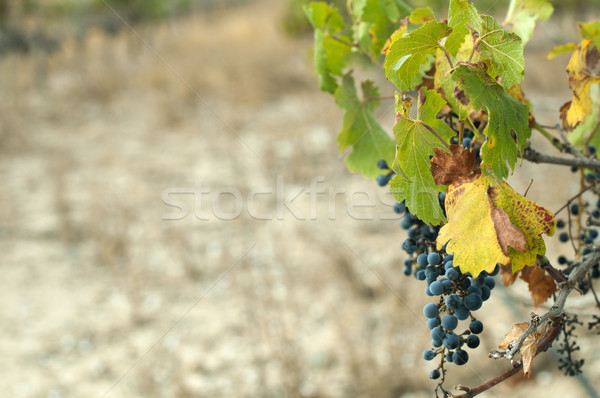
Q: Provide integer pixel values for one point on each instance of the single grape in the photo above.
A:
(451, 341)
(434, 258)
(422, 259)
(462, 313)
(473, 301)
(407, 270)
(420, 274)
(476, 327)
(452, 274)
(575, 209)
(560, 224)
(490, 282)
(474, 289)
(432, 272)
(382, 180)
(562, 260)
(593, 233)
(430, 310)
(563, 237)
(436, 288)
(449, 257)
(428, 355)
(449, 322)
(472, 341)
(437, 333)
(433, 322)
(382, 164)
(460, 357)
(485, 293)
(435, 374)
(453, 301)
(399, 208)
(448, 265)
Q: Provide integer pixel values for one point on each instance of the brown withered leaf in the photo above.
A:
(541, 285)
(456, 167)
(508, 234)
(508, 278)
(529, 347)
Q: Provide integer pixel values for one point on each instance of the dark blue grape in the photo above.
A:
(476, 327)
(420, 274)
(399, 208)
(437, 333)
(451, 341)
(462, 313)
(562, 260)
(428, 355)
(436, 288)
(474, 289)
(490, 282)
(453, 301)
(574, 169)
(472, 341)
(407, 270)
(473, 301)
(436, 342)
(591, 149)
(593, 233)
(452, 274)
(575, 209)
(460, 357)
(449, 322)
(382, 180)
(449, 257)
(563, 237)
(382, 164)
(448, 265)
(466, 142)
(422, 259)
(434, 258)
(430, 310)
(560, 224)
(485, 293)
(432, 272)
(435, 374)
(433, 322)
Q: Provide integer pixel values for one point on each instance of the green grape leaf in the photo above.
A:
(415, 143)
(421, 16)
(462, 16)
(330, 55)
(377, 21)
(360, 129)
(410, 55)
(522, 15)
(590, 30)
(505, 50)
(562, 49)
(507, 118)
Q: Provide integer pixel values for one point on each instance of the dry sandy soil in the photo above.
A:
(111, 289)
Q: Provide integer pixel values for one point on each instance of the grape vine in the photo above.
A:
(462, 126)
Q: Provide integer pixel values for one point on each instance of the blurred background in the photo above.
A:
(177, 221)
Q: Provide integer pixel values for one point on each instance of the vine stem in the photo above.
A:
(553, 140)
(356, 45)
(554, 315)
(536, 157)
(385, 97)
(428, 127)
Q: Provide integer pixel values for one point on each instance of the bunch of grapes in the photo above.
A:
(459, 294)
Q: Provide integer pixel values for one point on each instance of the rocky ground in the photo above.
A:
(152, 246)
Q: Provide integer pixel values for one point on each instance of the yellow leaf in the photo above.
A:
(488, 222)
(470, 232)
(583, 70)
(530, 218)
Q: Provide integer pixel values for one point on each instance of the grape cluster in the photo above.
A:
(460, 294)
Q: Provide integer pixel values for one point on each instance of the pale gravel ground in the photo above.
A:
(94, 277)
